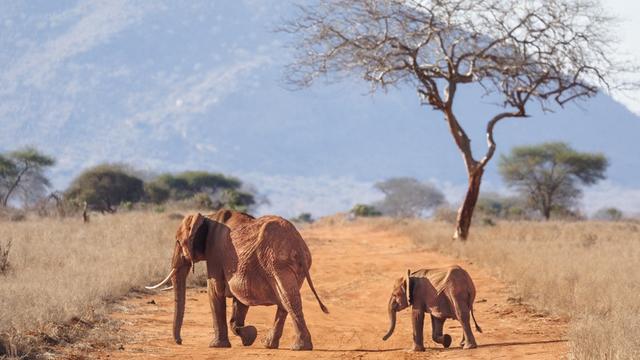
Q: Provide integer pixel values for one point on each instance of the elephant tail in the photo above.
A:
(474, 321)
(472, 299)
(313, 289)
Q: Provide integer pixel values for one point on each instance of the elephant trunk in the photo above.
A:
(392, 319)
(179, 291)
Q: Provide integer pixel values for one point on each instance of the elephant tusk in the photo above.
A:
(167, 288)
(173, 271)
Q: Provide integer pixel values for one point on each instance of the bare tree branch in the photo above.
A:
(546, 52)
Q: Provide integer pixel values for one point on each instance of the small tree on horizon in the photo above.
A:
(365, 210)
(609, 214)
(407, 197)
(187, 184)
(545, 52)
(23, 170)
(548, 175)
(104, 187)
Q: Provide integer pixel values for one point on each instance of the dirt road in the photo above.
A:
(354, 266)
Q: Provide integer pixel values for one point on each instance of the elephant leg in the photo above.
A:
(463, 314)
(272, 341)
(248, 334)
(469, 339)
(461, 308)
(437, 326)
(218, 304)
(417, 320)
(289, 293)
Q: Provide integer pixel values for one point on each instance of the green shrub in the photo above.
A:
(159, 209)
(202, 201)
(365, 210)
(609, 214)
(105, 187)
(304, 217)
(5, 248)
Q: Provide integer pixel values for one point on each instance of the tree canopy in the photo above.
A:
(545, 52)
(364, 210)
(104, 187)
(548, 175)
(407, 197)
(186, 184)
(207, 190)
(23, 171)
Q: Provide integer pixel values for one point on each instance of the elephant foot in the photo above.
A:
(270, 343)
(470, 346)
(302, 345)
(446, 340)
(418, 348)
(248, 334)
(216, 343)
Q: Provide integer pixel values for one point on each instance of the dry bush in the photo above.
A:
(64, 273)
(585, 270)
(5, 248)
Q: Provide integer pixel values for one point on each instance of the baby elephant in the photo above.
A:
(445, 293)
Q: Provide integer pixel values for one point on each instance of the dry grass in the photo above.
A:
(585, 270)
(64, 274)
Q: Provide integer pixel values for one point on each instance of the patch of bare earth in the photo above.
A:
(354, 266)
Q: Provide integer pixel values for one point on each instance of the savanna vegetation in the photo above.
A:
(549, 175)
(41, 308)
(61, 277)
(22, 176)
(25, 187)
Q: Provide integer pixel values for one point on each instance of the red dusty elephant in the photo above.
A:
(445, 293)
(261, 261)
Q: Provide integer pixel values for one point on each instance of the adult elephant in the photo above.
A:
(260, 261)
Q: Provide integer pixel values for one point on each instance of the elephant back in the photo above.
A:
(274, 242)
(442, 278)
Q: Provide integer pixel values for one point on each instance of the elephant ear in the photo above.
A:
(191, 236)
(409, 288)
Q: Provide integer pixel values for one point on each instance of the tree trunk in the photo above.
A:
(13, 186)
(85, 216)
(465, 213)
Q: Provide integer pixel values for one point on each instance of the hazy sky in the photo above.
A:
(628, 11)
(163, 85)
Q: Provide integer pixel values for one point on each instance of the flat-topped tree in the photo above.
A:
(23, 170)
(549, 52)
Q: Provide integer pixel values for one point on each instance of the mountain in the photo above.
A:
(167, 87)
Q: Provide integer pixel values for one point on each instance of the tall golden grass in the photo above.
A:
(64, 269)
(588, 271)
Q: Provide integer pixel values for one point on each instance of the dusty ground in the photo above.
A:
(353, 269)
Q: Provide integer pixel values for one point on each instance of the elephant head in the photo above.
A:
(400, 300)
(191, 242)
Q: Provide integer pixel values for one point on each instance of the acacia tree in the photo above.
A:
(24, 169)
(549, 52)
(548, 175)
(104, 187)
(407, 197)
